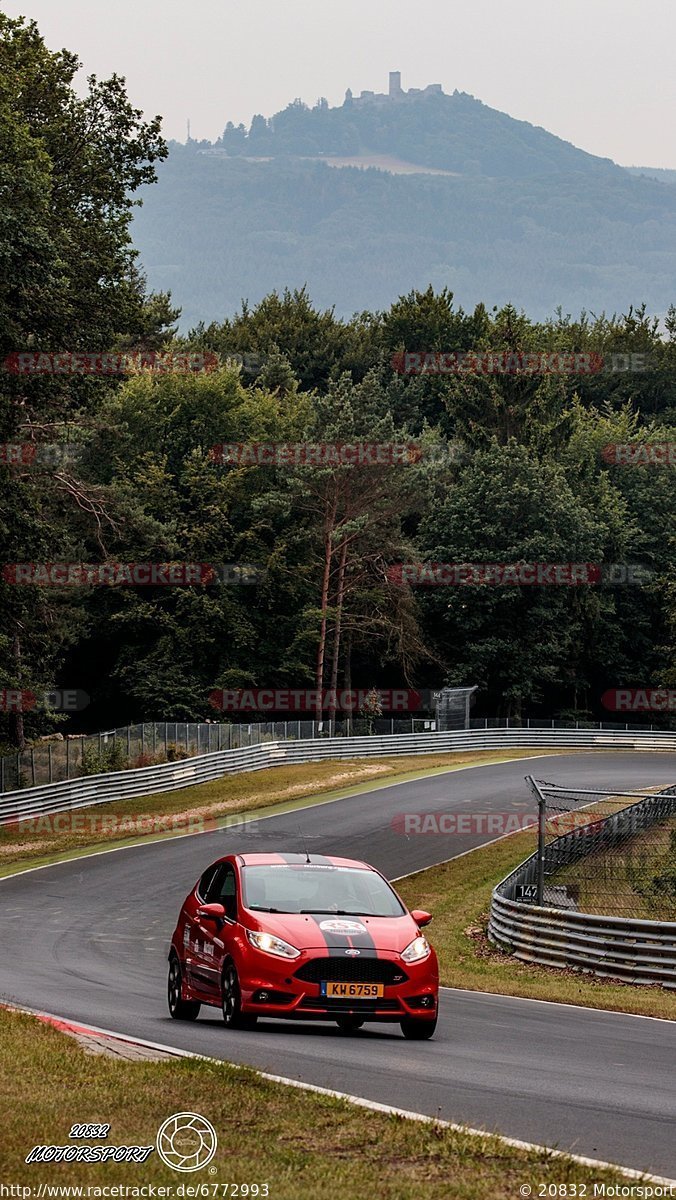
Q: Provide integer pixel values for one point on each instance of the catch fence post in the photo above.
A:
(542, 828)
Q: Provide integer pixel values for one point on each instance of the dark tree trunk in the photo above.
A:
(16, 728)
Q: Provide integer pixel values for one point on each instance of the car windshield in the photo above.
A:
(309, 888)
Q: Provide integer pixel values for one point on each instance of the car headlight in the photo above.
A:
(271, 944)
(417, 949)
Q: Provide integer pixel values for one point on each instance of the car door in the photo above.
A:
(216, 937)
(192, 934)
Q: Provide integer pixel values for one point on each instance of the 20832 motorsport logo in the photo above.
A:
(186, 1141)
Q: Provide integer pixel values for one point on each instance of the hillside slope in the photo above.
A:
(523, 216)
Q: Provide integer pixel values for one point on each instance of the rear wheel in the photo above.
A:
(417, 1031)
(349, 1024)
(180, 1009)
(231, 1001)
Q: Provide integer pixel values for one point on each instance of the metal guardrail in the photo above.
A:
(164, 777)
(638, 951)
(55, 758)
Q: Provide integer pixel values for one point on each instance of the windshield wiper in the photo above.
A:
(262, 908)
(339, 912)
(333, 912)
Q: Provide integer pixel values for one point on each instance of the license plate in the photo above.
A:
(353, 991)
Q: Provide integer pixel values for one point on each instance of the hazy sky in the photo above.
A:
(599, 73)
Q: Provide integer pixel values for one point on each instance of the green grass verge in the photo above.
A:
(458, 894)
(51, 838)
(299, 1143)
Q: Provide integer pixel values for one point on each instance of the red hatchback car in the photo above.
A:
(304, 936)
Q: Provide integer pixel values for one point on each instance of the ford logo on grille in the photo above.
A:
(353, 952)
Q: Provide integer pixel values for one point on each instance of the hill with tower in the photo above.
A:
(388, 191)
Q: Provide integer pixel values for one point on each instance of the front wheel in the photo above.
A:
(417, 1031)
(180, 1009)
(231, 1001)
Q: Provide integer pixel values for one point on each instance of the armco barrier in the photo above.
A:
(637, 951)
(164, 777)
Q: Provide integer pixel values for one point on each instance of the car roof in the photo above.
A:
(317, 860)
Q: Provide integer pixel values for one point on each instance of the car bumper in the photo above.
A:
(273, 989)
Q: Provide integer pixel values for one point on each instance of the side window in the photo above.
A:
(228, 896)
(222, 890)
(206, 881)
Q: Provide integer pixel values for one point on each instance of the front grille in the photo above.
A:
(339, 1004)
(350, 970)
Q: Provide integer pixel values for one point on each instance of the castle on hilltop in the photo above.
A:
(396, 92)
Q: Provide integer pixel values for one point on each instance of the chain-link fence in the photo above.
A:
(57, 758)
(556, 723)
(603, 852)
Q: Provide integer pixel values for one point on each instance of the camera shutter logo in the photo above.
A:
(186, 1142)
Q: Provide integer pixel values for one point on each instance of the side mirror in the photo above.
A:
(421, 917)
(211, 912)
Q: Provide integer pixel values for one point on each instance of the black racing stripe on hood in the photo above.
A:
(338, 943)
(363, 941)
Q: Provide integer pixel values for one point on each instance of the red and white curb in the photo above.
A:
(107, 1037)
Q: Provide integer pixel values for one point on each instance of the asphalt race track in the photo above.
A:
(88, 940)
